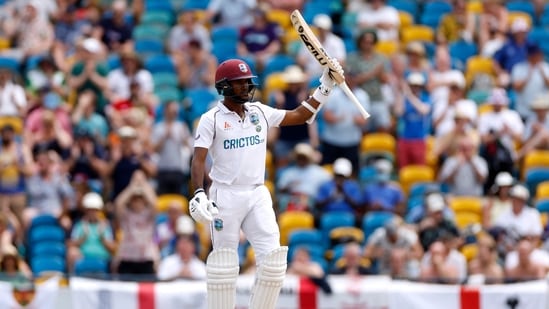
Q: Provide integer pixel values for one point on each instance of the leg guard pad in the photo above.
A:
(269, 279)
(222, 271)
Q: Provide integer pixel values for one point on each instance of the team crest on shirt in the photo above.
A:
(218, 224)
(254, 119)
(258, 128)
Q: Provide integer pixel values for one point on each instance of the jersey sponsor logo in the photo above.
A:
(243, 142)
(227, 126)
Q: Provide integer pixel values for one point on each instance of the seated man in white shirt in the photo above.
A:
(521, 218)
(381, 16)
(184, 263)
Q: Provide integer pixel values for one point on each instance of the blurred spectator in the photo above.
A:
(520, 218)
(526, 268)
(414, 113)
(343, 126)
(395, 250)
(50, 134)
(188, 28)
(302, 265)
(513, 51)
(490, 24)
(85, 118)
(236, 15)
(260, 40)
(381, 16)
(342, 193)
(416, 59)
(284, 139)
(12, 266)
(196, 67)
(175, 223)
(445, 109)
(12, 95)
(171, 141)
(87, 76)
(135, 212)
(92, 236)
(8, 222)
(46, 76)
(15, 165)
(31, 32)
(536, 130)
(115, 29)
(498, 200)
(465, 171)
(88, 160)
(126, 157)
(435, 224)
(120, 81)
(452, 26)
(440, 268)
(366, 68)
(442, 77)
(304, 178)
(49, 192)
(529, 78)
(69, 29)
(416, 214)
(333, 45)
(287, 5)
(485, 263)
(351, 264)
(382, 194)
(499, 130)
(447, 145)
(184, 263)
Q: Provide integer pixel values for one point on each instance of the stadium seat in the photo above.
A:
(512, 16)
(535, 159)
(224, 50)
(49, 248)
(142, 32)
(332, 220)
(349, 21)
(9, 63)
(466, 204)
(46, 233)
(90, 266)
(165, 95)
(113, 62)
(305, 236)
(406, 19)
(196, 5)
(224, 33)
(15, 122)
(378, 144)
(474, 6)
(367, 174)
(521, 6)
(45, 264)
(315, 251)
(280, 17)
(277, 63)
(542, 191)
(163, 202)
(419, 189)
(413, 202)
(149, 47)
(409, 6)
(197, 101)
(431, 19)
(462, 50)
(463, 220)
(469, 251)
(534, 177)
(412, 174)
(478, 65)
(273, 82)
(542, 205)
(437, 6)
(417, 33)
(165, 80)
(158, 5)
(160, 63)
(44, 220)
(289, 221)
(346, 234)
(312, 8)
(162, 18)
(374, 220)
(387, 48)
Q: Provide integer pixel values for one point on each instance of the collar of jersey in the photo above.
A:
(225, 110)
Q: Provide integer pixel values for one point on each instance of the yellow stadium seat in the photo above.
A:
(164, 200)
(15, 122)
(281, 17)
(542, 190)
(470, 251)
(271, 187)
(328, 168)
(270, 165)
(412, 174)
(515, 15)
(4, 43)
(417, 33)
(387, 48)
(289, 221)
(431, 159)
(465, 219)
(347, 233)
(466, 204)
(477, 65)
(534, 159)
(273, 82)
(474, 7)
(378, 143)
(484, 108)
(406, 19)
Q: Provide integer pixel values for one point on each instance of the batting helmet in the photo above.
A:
(229, 70)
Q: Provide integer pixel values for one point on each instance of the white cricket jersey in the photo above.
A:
(237, 146)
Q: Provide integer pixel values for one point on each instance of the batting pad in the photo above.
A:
(222, 270)
(269, 278)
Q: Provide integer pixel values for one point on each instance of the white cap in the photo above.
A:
(520, 191)
(462, 112)
(343, 166)
(323, 21)
(435, 202)
(416, 78)
(383, 166)
(127, 132)
(92, 200)
(294, 74)
(498, 97)
(92, 45)
(457, 78)
(305, 150)
(520, 25)
(540, 102)
(504, 179)
(184, 225)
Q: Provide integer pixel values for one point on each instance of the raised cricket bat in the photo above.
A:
(312, 43)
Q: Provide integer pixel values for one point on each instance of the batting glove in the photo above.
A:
(199, 207)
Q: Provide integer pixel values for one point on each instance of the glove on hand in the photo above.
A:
(201, 209)
(327, 80)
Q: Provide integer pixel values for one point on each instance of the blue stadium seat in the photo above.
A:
(534, 177)
(367, 174)
(49, 248)
(301, 237)
(462, 50)
(315, 251)
(9, 63)
(144, 31)
(163, 18)
(197, 102)
(165, 95)
(409, 6)
(543, 206)
(148, 47)
(195, 4)
(44, 220)
(311, 9)
(420, 188)
(277, 63)
(46, 233)
(224, 33)
(160, 63)
(88, 266)
(373, 220)
(431, 19)
(113, 62)
(224, 50)
(158, 5)
(538, 34)
(521, 6)
(437, 6)
(45, 263)
(332, 220)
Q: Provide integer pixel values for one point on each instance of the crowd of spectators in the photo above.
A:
(88, 138)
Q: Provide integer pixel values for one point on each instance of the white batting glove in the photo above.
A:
(212, 208)
(199, 207)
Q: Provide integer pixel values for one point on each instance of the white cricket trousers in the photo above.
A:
(249, 208)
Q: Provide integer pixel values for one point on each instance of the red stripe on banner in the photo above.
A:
(145, 296)
(469, 298)
(307, 294)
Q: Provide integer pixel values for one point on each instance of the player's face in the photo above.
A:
(241, 88)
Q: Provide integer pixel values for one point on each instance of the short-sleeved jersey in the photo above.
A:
(237, 146)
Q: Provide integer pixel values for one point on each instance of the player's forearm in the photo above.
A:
(197, 174)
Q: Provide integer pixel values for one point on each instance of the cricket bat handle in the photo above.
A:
(354, 99)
